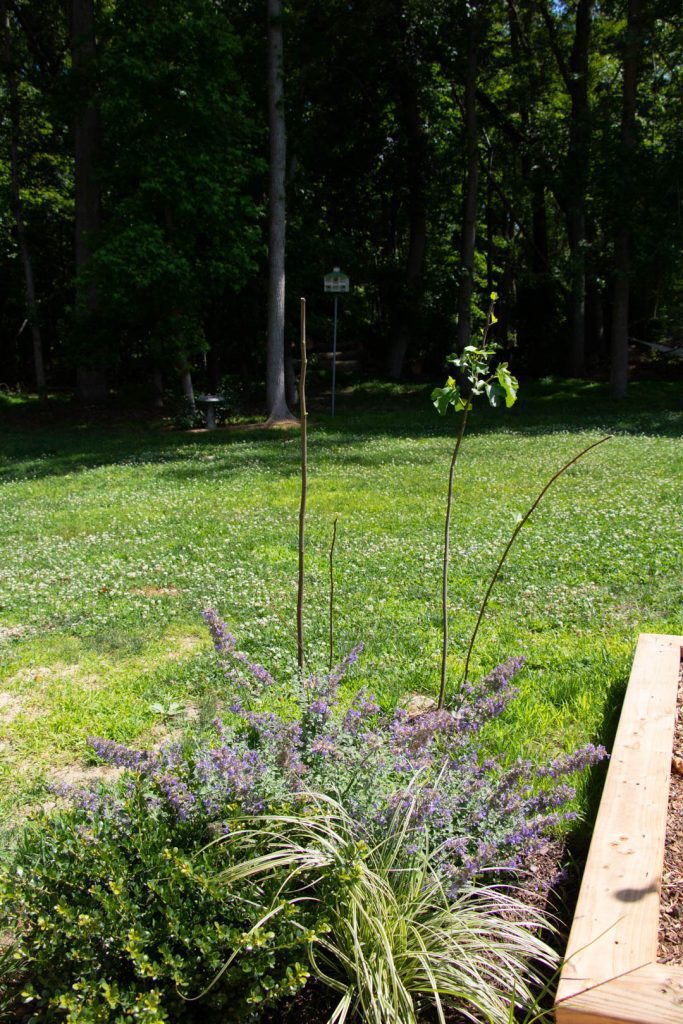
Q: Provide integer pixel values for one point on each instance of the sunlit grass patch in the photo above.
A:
(113, 539)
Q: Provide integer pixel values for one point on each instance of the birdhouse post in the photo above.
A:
(337, 284)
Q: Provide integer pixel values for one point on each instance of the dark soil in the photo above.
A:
(670, 949)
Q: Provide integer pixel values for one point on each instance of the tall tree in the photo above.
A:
(574, 74)
(22, 238)
(468, 235)
(178, 162)
(622, 242)
(276, 399)
(411, 120)
(92, 381)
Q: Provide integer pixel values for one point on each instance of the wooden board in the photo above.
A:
(648, 995)
(616, 923)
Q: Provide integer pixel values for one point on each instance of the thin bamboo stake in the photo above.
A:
(334, 539)
(304, 489)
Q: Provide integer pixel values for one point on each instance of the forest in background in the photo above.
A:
(436, 151)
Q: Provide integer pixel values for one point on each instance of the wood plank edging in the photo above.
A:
(649, 995)
(610, 972)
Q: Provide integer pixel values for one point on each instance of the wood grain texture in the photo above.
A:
(617, 915)
(649, 995)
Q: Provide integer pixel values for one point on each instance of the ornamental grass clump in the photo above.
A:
(391, 941)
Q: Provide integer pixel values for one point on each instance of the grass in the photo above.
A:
(114, 536)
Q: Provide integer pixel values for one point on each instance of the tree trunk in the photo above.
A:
(186, 384)
(535, 307)
(596, 323)
(275, 350)
(576, 172)
(158, 387)
(490, 255)
(469, 220)
(92, 384)
(622, 242)
(408, 302)
(26, 262)
(574, 73)
(576, 234)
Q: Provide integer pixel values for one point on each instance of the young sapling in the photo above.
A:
(477, 377)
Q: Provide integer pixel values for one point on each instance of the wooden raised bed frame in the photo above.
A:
(611, 974)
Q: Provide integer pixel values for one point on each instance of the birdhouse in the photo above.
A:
(336, 282)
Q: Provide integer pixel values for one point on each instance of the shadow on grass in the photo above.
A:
(59, 439)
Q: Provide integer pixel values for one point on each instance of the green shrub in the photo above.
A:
(122, 917)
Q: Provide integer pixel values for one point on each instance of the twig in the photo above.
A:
(334, 539)
(304, 488)
(512, 540)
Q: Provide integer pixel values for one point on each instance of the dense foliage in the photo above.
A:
(398, 118)
(121, 894)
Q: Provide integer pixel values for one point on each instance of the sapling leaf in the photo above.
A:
(495, 394)
(508, 383)
(448, 395)
(440, 400)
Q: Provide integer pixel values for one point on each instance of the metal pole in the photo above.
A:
(334, 353)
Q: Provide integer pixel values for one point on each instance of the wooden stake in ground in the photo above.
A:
(334, 539)
(304, 488)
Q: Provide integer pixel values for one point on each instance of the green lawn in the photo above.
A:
(113, 537)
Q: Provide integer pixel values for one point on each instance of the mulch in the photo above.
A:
(670, 949)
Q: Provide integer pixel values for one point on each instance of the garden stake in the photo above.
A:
(512, 540)
(304, 487)
(334, 538)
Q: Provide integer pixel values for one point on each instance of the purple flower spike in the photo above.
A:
(225, 644)
(121, 756)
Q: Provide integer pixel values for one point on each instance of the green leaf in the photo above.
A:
(508, 383)
(495, 394)
(440, 398)
(448, 395)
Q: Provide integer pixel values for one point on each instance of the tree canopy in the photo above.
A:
(436, 151)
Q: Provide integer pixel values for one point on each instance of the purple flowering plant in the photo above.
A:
(481, 814)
